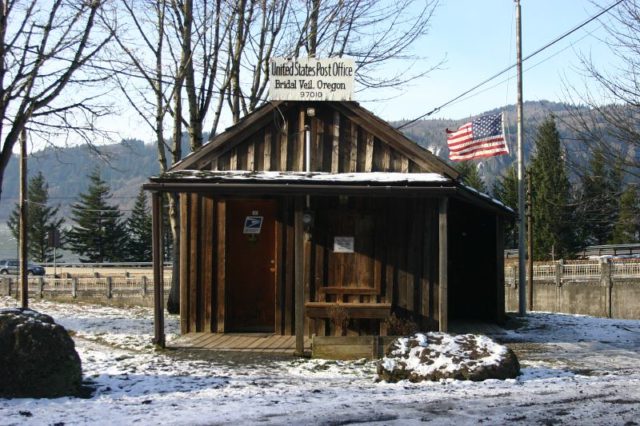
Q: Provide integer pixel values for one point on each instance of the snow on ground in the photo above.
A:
(576, 370)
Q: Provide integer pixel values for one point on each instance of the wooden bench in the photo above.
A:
(353, 310)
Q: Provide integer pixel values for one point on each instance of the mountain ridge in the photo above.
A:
(132, 162)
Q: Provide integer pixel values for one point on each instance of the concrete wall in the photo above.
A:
(625, 299)
(613, 299)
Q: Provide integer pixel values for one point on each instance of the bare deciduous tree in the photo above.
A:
(610, 122)
(45, 46)
(376, 34)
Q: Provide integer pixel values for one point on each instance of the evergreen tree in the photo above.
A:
(599, 200)
(627, 228)
(505, 189)
(139, 231)
(470, 176)
(98, 233)
(41, 218)
(550, 195)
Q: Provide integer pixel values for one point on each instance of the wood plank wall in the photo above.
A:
(387, 267)
(198, 263)
(396, 255)
(395, 259)
(338, 146)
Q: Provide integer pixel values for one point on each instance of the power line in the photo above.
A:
(509, 78)
(531, 55)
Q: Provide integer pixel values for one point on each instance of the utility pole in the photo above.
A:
(530, 236)
(24, 289)
(522, 307)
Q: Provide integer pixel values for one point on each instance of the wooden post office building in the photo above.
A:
(321, 219)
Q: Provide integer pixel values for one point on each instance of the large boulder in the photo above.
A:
(435, 356)
(37, 357)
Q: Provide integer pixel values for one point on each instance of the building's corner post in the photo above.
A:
(299, 276)
(607, 284)
(158, 273)
(500, 284)
(443, 260)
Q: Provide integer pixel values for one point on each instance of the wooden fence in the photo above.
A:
(610, 288)
(118, 288)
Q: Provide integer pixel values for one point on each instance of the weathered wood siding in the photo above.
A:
(394, 259)
(338, 145)
(394, 262)
(199, 267)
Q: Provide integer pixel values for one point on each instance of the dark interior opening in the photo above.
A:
(472, 263)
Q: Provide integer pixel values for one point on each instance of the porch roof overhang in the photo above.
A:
(373, 184)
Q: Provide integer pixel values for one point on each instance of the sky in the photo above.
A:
(477, 39)
(474, 39)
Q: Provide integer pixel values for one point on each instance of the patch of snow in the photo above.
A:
(576, 370)
(450, 351)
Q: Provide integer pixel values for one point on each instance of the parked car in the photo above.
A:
(11, 266)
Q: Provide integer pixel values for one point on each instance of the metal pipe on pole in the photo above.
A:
(522, 306)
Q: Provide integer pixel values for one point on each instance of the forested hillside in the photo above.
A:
(124, 166)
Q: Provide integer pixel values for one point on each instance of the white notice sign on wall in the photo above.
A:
(343, 244)
(310, 79)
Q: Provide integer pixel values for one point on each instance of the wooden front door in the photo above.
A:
(251, 265)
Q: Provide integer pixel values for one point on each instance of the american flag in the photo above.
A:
(480, 138)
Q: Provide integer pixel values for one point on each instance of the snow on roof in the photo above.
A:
(375, 178)
(382, 177)
(487, 196)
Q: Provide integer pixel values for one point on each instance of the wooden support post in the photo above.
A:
(158, 273)
(500, 308)
(221, 250)
(22, 271)
(109, 287)
(299, 276)
(442, 266)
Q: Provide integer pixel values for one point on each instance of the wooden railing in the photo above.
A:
(96, 286)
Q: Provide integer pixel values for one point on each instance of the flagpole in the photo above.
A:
(522, 306)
